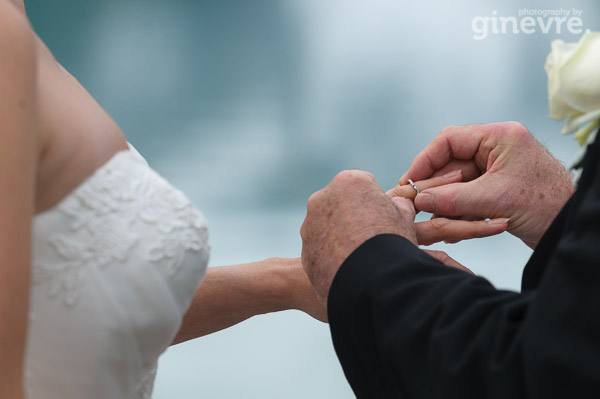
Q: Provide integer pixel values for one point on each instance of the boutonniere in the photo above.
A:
(574, 89)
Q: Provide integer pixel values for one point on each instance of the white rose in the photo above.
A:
(574, 81)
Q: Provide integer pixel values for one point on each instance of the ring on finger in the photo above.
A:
(413, 185)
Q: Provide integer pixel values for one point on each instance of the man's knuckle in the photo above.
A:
(448, 130)
(439, 224)
(517, 131)
(318, 196)
(402, 202)
(314, 202)
(303, 232)
(368, 175)
(343, 177)
(517, 126)
(311, 200)
(352, 176)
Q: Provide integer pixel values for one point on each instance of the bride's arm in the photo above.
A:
(231, 294)
(17, 173)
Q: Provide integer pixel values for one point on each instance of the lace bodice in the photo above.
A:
(115, 266)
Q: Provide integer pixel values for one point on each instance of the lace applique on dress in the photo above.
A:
(120, 258)
(146, 387)
(101, 214)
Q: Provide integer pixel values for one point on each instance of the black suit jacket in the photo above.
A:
(406, 326)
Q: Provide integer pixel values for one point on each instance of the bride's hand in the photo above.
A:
(300, 290)
(447, 260)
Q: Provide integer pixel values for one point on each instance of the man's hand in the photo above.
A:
(444, 229)
(506, 174)
(343, 215)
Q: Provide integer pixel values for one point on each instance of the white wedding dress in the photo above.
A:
(115, 266)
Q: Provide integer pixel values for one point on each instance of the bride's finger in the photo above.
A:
(408, 191)
(447, 260)
(453, 231)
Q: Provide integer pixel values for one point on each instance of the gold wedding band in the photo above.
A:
(413, 185)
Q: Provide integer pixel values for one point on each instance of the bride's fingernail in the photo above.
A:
(454, 173)
(498, 221)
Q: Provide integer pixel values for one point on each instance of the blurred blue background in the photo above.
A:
(250, 106)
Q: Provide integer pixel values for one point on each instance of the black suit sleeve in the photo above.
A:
(406, 326)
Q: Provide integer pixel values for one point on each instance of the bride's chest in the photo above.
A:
(115, 266)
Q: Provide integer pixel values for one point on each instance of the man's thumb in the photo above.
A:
(457, 199)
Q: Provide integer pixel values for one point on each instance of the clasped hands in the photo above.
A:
(476, 180)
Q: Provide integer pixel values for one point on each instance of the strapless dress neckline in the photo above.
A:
(130, 151)
(115, 265)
